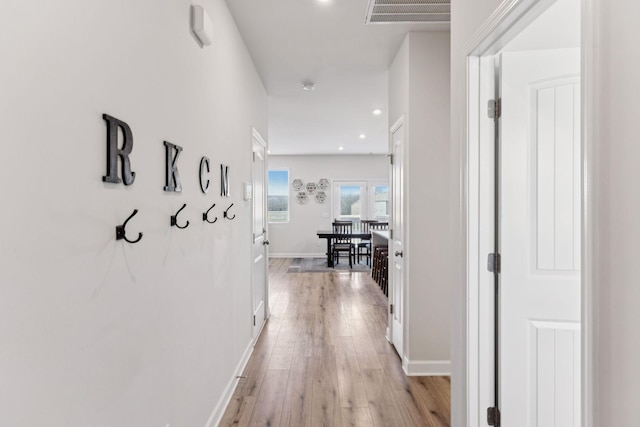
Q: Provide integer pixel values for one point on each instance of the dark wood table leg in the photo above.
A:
(329, 257)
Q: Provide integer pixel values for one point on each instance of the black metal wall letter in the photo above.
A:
(224, 181)
(173, 177)
(113, 152)
(204, 165)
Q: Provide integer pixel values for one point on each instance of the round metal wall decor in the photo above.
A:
(323, 183)
(321, 196)
(297, 184)
(302, 197)
(311, 187)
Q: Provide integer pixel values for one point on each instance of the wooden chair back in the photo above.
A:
(379, 226)
(343, 229)
(365, 225)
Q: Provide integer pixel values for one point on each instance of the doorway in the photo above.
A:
(524, 350)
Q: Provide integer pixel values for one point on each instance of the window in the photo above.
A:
(357, 200)
(380, 202)
(278, 196)
(350, 200)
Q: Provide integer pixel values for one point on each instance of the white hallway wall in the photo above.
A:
(98, 332)
(419, 90)
(611, 64)
(298, 238)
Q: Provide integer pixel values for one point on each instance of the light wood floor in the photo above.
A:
(323, 360)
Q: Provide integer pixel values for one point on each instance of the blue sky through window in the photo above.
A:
(278, 183)
(349, 189)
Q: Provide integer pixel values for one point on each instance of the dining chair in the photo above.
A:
(342, 241)
(363, 247)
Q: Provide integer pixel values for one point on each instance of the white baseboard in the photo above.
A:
(287, 255)
(426, 368)
(218, 411)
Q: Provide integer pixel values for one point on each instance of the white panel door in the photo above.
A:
(396, 253)
(540, 239)
(259, 277)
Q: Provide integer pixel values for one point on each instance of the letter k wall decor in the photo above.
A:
(173, 177)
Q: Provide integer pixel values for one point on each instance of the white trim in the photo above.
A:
(397, 125)
(511, 17)
(223, 402)
(590, 132)
(427, 368)
(294, 255)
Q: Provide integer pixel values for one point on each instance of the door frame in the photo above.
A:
(508, 20)
(267, 309)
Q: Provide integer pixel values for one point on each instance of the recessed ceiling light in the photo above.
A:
(308, 86)
(341, 148)
(363, 136)
(377, 112)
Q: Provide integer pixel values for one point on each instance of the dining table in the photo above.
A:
(330, 235)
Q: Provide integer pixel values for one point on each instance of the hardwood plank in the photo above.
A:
(433, 397)
(381, 408)
(325, 404)
(352, 393)
(297, 404)
(239, 411)
(365, 350)
(356, 417)
(281, 357)
(268, 407)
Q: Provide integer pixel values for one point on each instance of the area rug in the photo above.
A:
(319, 265)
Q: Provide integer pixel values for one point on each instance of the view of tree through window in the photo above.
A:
(350, 201)
(278, 196)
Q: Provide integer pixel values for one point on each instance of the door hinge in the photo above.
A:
(390, 308)
(493, 416)
(254, 320)
(390, 158)
(390, 233)
(493, 263)
(494, 108)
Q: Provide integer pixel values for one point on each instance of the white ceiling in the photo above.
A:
(326, 42)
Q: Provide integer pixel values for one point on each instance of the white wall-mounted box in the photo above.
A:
(201, 24)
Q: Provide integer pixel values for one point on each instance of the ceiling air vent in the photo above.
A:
(408, 11)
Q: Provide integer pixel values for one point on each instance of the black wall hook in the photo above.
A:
(205, 216)
(121, 232)
(174, 218)
(226, 215)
